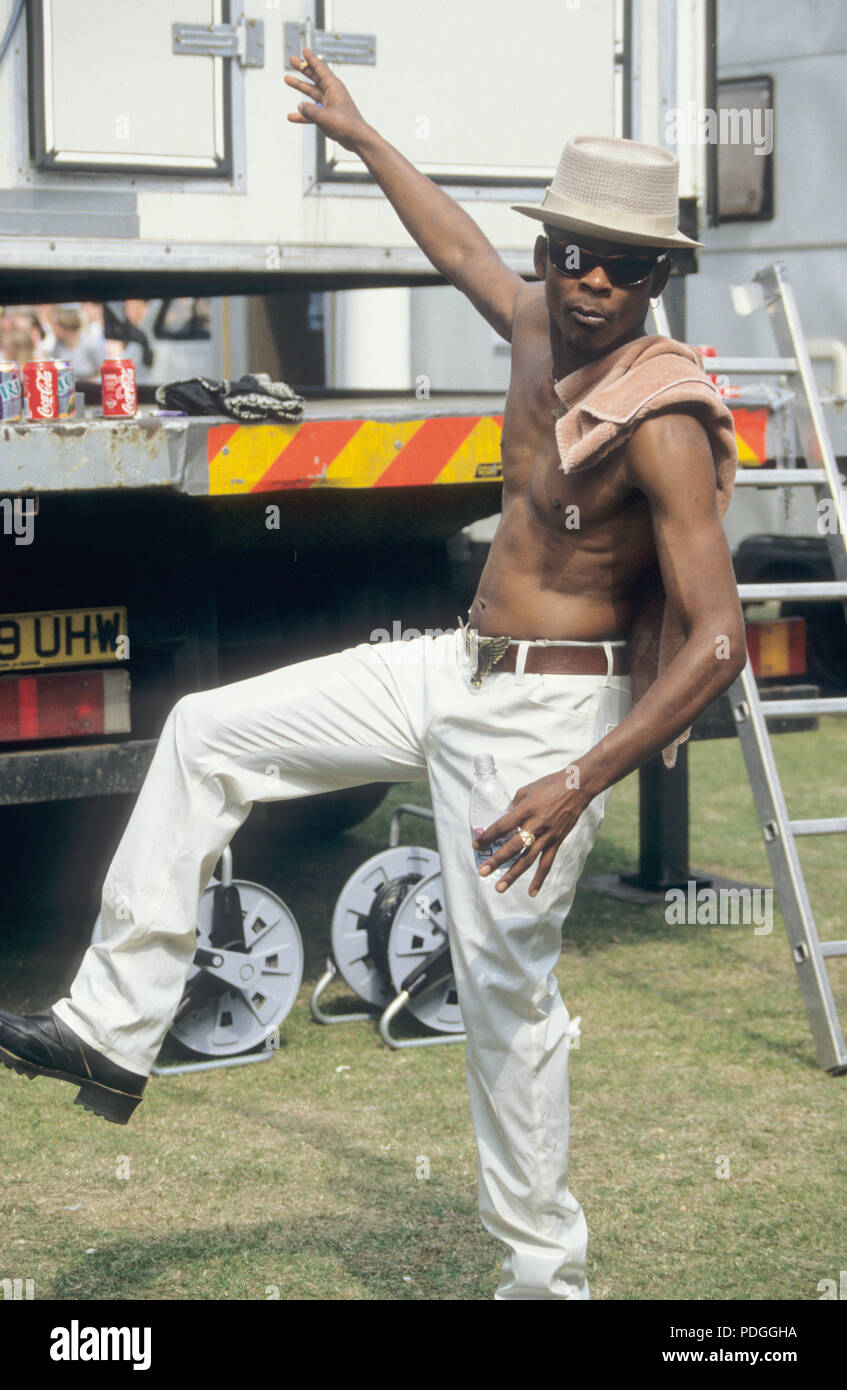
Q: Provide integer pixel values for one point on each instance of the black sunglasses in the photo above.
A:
(623, 271)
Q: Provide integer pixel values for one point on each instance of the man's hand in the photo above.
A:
(332, 108)
(549, 809)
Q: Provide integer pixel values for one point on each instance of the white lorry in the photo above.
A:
(149, 155)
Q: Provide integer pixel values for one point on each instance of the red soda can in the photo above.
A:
(41, 391)
(11, 391)
(120, 397)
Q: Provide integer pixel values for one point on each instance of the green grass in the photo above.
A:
(295, 1178)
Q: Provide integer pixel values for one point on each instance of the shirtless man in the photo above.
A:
(649, 504)
(422, 710)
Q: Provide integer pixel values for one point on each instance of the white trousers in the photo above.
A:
(381, 712)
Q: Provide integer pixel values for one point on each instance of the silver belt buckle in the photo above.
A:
(483, 652)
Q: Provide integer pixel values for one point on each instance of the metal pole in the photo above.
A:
(663, 826)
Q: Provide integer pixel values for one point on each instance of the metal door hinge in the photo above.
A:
(332, 47)
(244, 41)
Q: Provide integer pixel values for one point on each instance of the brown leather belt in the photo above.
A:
(499, 653)
(562, 661)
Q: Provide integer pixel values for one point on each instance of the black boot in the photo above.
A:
(42, 1045)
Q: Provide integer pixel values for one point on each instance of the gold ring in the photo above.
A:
(527, 837)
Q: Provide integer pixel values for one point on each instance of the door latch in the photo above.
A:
(332, 47)
(244, 41)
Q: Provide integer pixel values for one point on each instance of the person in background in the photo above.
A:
(18, 346)
(21, 334)
(44, 319)
(84, 352)
(134, 343)
(92, 327)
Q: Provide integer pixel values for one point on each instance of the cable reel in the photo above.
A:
(245, 977)
(390, 942)
(419, 938)
(364, 912)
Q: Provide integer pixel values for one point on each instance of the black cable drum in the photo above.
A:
(387, 900)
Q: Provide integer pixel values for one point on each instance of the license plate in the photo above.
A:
(61, 637)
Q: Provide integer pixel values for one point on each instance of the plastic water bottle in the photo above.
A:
(489, 801)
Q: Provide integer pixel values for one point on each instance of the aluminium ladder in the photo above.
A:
(770, 287)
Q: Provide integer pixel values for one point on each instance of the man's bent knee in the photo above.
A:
(195, 724)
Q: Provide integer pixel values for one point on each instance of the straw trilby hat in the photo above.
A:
(615, 190)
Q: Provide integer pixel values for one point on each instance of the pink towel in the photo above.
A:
(604, 402)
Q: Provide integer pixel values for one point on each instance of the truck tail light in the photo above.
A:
(777, 648)
(69, 704)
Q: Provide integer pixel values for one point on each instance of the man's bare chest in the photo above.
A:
(592, 495)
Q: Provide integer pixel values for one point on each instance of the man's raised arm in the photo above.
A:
(450, 239)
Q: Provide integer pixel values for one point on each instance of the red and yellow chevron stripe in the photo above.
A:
(379, 453)
(353, 453)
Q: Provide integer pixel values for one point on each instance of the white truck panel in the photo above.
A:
(464, 91)
(483, 90)
(806, 61)
(470, 64)
(146, 104)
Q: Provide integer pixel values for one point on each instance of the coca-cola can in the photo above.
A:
(41, 391)
(67, 387)
(120, 397)
(11, 391)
